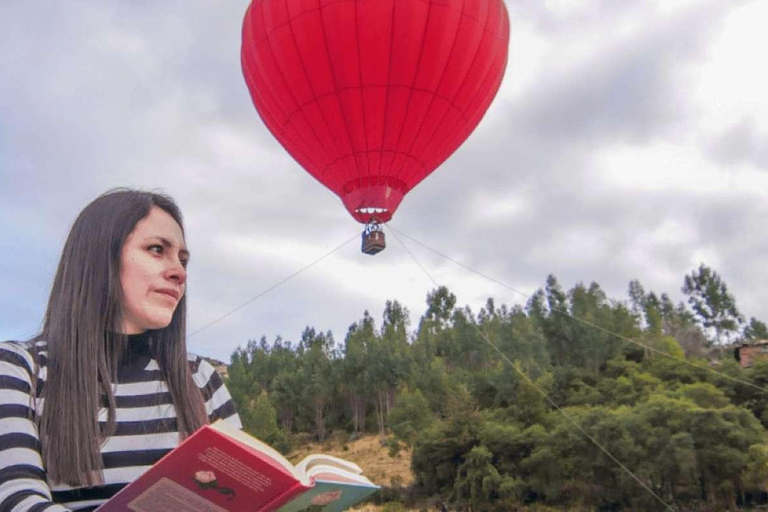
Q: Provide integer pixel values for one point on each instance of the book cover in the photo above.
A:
(329, 496)
(221, 469)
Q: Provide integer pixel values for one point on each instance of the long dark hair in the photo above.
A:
(84, 347)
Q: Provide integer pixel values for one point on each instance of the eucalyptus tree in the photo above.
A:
(712, 303)
(356, 384)
(755, 330)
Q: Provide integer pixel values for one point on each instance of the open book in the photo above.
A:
(220, 468)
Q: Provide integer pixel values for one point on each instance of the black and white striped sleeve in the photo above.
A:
(218, 402)
(23, 484)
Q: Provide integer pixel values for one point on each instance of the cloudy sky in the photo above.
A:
(629, 141)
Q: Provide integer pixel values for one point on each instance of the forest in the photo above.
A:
(575, 399)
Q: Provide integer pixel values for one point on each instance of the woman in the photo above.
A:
(107, 388)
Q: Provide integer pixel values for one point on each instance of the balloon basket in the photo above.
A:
(373, 238)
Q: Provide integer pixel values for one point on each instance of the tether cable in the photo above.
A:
(585, 322)
(279, 283)
(540, 391)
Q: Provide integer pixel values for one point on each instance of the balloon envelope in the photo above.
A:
(371, 96)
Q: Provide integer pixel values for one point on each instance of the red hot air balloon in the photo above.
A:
(371, 96)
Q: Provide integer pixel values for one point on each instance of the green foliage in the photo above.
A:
(527, 405)
(393, 506)
(410, 416)
(394, 447)
(478, 481)
(752, 397)
(561, 426)
(755, 473)
(261, 422)
(317, 377)
(755, 330)
(440, 450)
(704, 394)
(714, 306)
(435, 382)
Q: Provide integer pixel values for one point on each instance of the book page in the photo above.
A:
(325, 473)
(260, 446)
(328, 460)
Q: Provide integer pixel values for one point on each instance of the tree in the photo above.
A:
(586, 304)
(262, 423)
(477, 481)
(381, 380)
(433, 336)
(680, 323)
(557, 327)
(442, 447)
(709, 297)
(317, 376)
(755, 330)
(241, 382)
(287, 396)
(393, 359)
(637, 299)
(410, 416)
(486, 437)
(440, 305)
(360, 337)
(646, 307)
(756, 472)
(653, 314)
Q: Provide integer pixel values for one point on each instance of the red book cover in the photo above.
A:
(209, 472)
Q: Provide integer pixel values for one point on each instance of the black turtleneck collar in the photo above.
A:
(138, 349)
(139, 343)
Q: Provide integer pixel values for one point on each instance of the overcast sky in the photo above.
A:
(629, 141)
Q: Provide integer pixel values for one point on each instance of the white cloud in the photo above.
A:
(731, 84)
(528, 58)
(510, 206)
(565, 8)
(627, 142)
(681, 168)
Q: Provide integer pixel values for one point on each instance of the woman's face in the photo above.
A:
(152, 272)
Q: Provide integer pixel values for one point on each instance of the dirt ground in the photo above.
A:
(368, 453)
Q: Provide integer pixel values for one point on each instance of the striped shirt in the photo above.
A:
(146, 428)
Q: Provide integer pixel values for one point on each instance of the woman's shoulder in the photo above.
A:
(25, 355)
(202, 370)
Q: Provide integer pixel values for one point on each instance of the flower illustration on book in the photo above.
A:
(207, 480)
(326, 498)
(205, 477)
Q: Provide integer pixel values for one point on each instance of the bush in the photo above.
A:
(394, 448)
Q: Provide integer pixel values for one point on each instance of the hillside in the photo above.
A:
(368, 453)
(641, 389)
